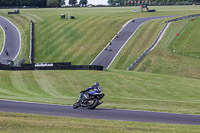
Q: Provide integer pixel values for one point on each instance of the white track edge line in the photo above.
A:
(4, 39)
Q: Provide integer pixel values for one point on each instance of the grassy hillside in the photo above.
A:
(123, 89)
(57, 40)
(187, 43)
(176, 55)
(92, 29)
(70, 40)
(79, 41)
(140, 41)
(1, 39)
(23, 123)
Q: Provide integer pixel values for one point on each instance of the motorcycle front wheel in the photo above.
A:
(76, 105)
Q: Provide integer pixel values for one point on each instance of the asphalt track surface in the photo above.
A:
(98, 113)
(106, 57)
(12, 40)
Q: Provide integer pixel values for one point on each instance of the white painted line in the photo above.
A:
(19, 37)
(4, 39)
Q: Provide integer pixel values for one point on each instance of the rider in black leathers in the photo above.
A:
(85, 94)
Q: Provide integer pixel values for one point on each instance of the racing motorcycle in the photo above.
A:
(90, 101)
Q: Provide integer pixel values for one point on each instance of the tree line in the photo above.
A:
(152, 2)
(74, 2)
(41, 3)
(35, 3)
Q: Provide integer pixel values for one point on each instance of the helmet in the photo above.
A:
(96, 84)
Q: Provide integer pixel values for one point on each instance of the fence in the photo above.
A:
(31, 52)
(56, 67)
(156, 40)
(19, 62)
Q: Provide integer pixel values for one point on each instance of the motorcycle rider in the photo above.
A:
(85, 94)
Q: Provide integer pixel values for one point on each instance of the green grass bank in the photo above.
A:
(176, 55)
(166, 88)
(123, 89)
(23, 123)
(57, 40)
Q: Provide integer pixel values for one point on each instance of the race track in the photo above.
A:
(99, 113)
(12, 42)
(106, 57)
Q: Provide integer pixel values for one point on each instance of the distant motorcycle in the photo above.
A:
(91, 101)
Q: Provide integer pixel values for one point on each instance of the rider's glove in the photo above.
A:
(82, 91)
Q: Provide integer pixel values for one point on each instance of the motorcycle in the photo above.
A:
(90, 101)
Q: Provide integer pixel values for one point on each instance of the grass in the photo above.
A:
(23, 123)
(188, 40)
(173, 56)
(59, 40)
(67, 40)
(80, 35)
(92, 29)
(1, 39)
(140, 41)
(123, 89)
(176, 55)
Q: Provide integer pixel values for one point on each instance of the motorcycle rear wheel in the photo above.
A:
(93, 104)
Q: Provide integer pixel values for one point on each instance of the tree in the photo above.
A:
(83, 2)
(62, 2)
(72, 2)
(111, 2)
(53, 3)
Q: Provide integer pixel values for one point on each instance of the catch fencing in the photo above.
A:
(156, 40)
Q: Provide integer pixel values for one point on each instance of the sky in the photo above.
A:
(94, 2)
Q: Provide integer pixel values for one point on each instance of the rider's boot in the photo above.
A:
(100, 102)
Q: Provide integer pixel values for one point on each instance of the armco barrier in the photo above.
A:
(31, 52)
(56, 67)
(19, 62)
(156, 40)
(147, 50)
